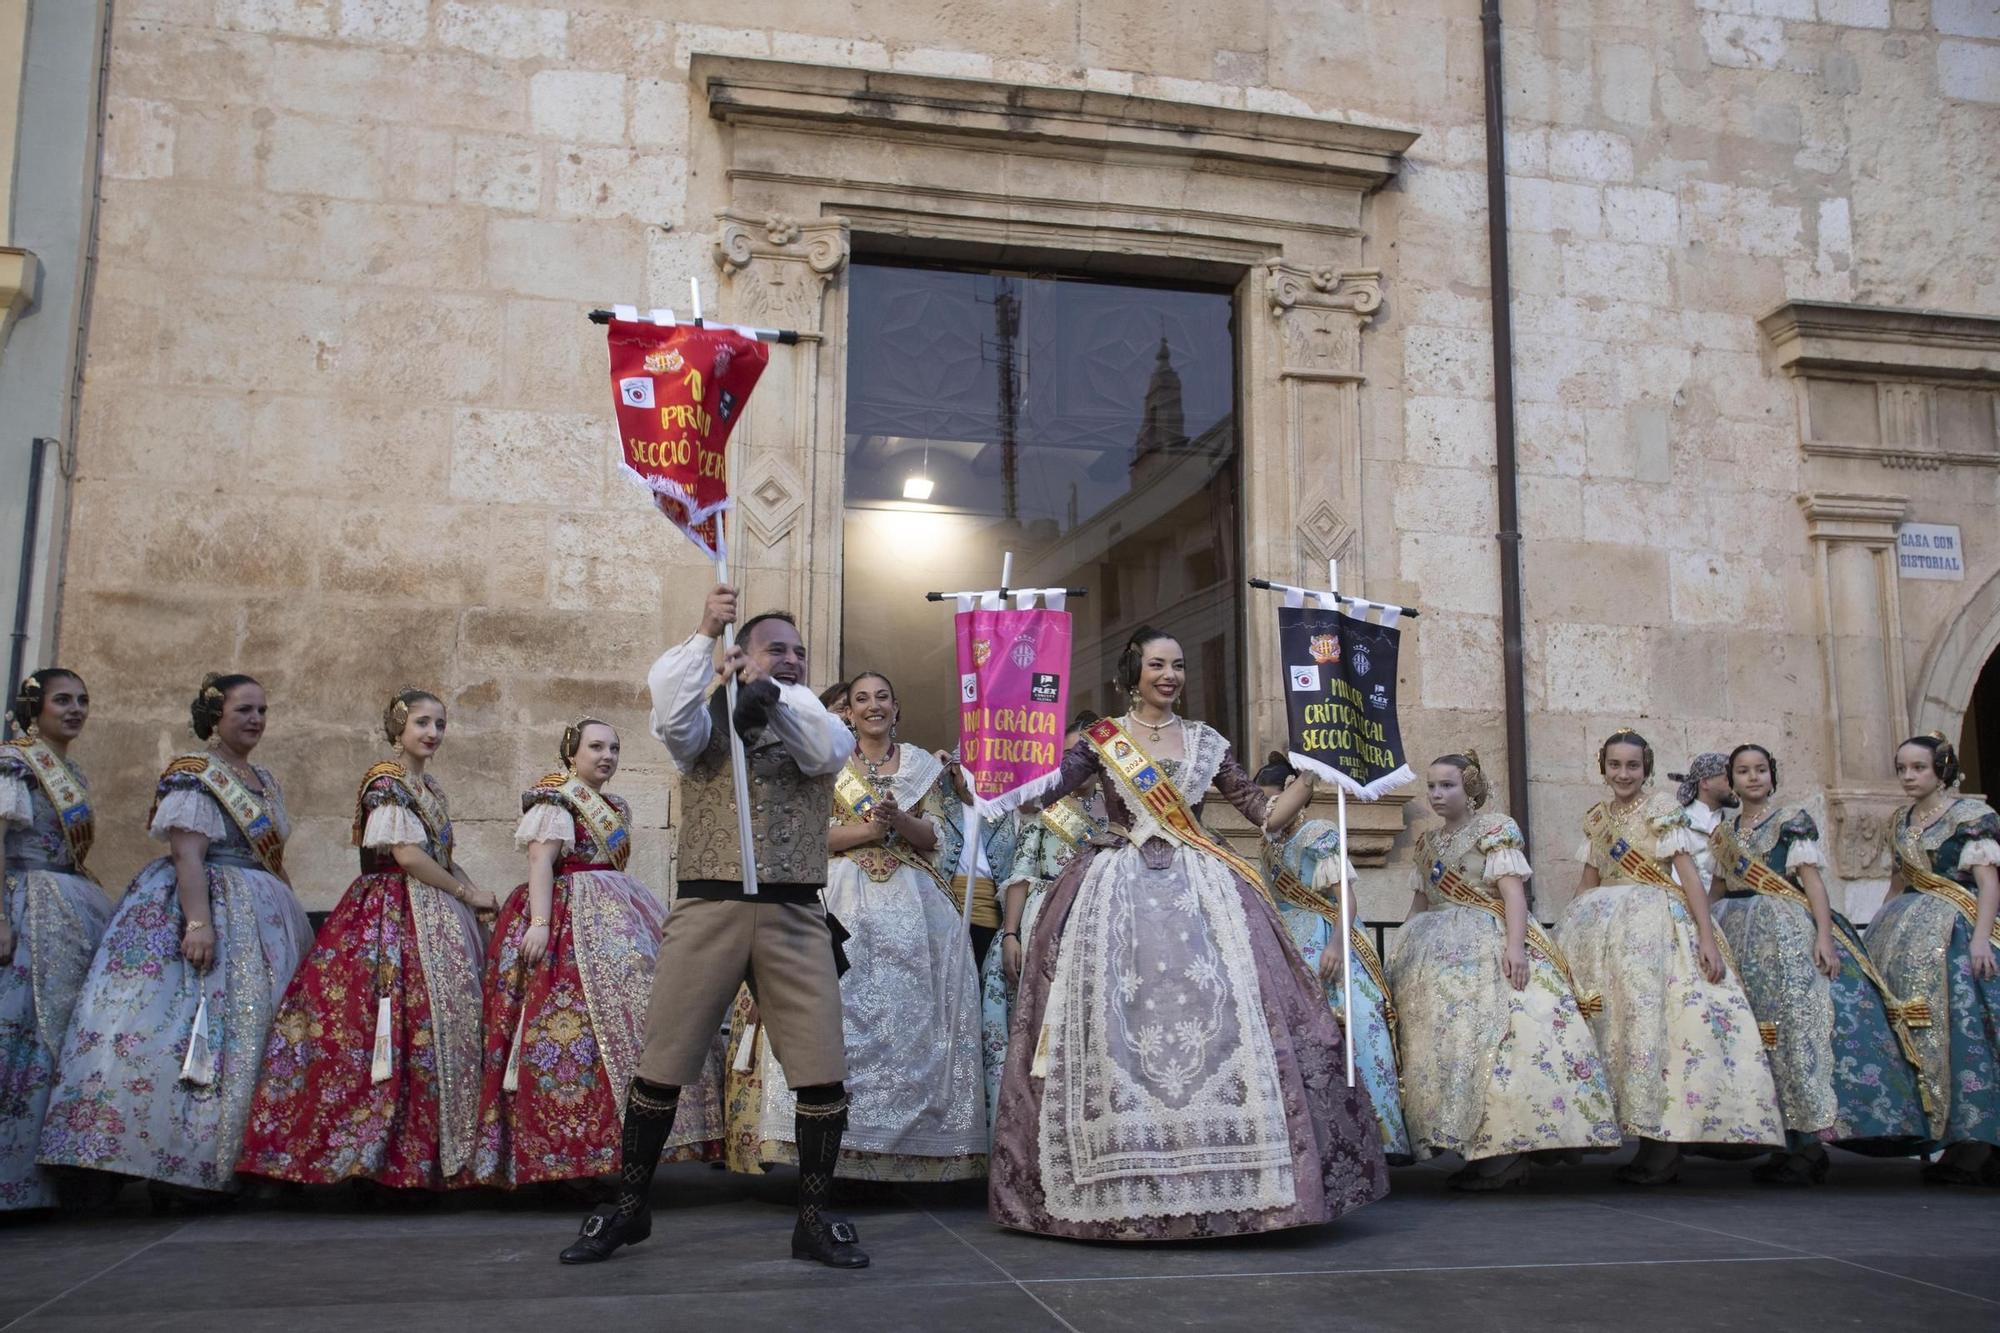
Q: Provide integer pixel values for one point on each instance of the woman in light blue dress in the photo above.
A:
(1048, 839)
(164, 1044)
(1304, 875)
(51, 917)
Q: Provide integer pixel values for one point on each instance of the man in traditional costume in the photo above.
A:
(719, 937)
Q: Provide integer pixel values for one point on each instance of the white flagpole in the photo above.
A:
(1346, 906)
(738, 764)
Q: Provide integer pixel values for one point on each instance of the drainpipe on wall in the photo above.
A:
(1509, 535)
(24, 593)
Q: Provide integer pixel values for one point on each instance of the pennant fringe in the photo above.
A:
(1380, 787)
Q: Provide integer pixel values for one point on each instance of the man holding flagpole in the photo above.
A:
(770, 932)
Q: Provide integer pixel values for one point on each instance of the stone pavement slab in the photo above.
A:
(1874, 1249)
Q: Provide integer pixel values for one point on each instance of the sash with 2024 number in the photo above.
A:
(1146, 785)
(853, 798)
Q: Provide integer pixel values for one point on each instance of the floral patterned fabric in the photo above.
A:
(1841, 1075)
(1240, 1120)
(576, 1018)
(120, 1104)
(1487, 1069)
(319, 1116)
(1039, 856)
(1681, 1053)
(1923, 943)
(1312, 853)
(58, 916)
(909, 1018)
(1374, 1042)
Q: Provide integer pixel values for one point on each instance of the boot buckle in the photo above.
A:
(593, 1226)
(843, 1233)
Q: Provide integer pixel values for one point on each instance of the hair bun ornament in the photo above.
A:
(1939, 737)
(210, 686)
(1472, 757)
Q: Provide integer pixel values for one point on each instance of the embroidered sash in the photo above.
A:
(1293, 890)
(1923, 879)
(65, 791)
(1452, 885)
(1738, 863)
(599, 815)
(435, 818)
(1602, 831)
(853, 797)
(1144, 784)
(1069, 822)
(245, 809)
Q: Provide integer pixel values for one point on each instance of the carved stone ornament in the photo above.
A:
(1358, 291)
(779, 268)
(1861, 827)
(822, 246)
(1325, 533)
(771, 497)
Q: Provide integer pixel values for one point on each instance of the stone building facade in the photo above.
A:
(343, 423)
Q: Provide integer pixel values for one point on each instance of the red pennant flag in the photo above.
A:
(680, 390)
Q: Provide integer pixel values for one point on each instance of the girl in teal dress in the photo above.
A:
(1934, 941)
(1828, 1018)
(1304, 875)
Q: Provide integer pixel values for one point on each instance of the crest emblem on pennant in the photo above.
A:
(981, 650)
(665, 362)
(1324, 648)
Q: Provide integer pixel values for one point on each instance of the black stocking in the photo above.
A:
(821, 1120)
(649, 1118)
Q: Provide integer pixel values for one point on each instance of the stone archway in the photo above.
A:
(1951, 667)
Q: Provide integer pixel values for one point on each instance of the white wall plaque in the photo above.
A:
(1929, 551)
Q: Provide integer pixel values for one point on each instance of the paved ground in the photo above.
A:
(1874, 1249)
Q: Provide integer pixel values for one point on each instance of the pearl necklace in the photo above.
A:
(1153, 727)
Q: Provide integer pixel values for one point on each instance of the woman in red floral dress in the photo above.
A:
(568, 977)
(372, 1068)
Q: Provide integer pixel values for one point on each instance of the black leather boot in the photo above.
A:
(627, 1220)
(823, 1239)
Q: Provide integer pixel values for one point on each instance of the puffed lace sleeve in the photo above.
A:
(1982, 838)
(1673, 832)
(546, 821)
(17, 803)
(1506, 852)
(392, 825)
(185, 804)
(1805, 848)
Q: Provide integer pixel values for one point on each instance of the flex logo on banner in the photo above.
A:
(679, 392)
(1013, 681)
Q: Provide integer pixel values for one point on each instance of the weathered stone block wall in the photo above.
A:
(344, 423)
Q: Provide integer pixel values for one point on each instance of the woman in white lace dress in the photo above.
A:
(1174, 1069)
(910, 997)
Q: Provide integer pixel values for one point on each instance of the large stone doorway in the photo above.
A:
(1979, 739)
